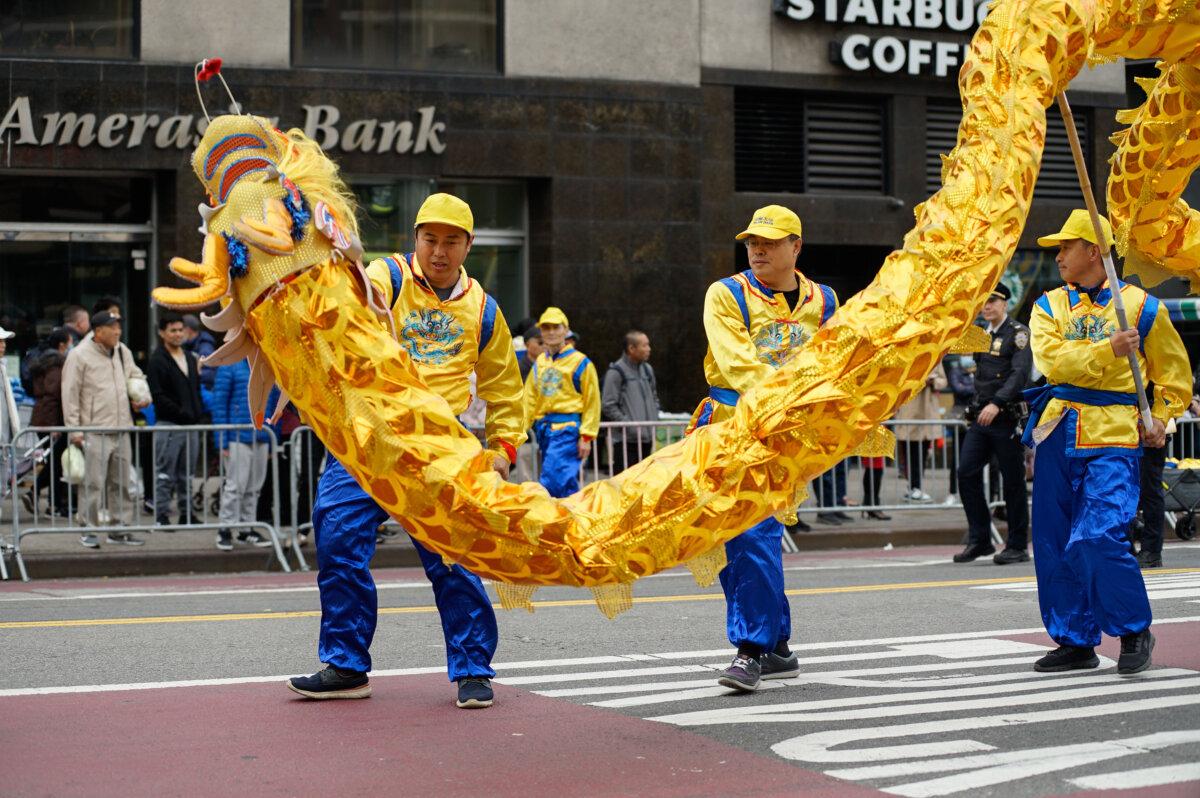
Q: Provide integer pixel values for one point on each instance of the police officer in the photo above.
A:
(994, 413)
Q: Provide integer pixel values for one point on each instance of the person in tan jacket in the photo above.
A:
(95, 393)
(912, 438)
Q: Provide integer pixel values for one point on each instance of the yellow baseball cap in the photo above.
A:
(773, 221)
(446, 209)
(1079, 225)
(553, 315)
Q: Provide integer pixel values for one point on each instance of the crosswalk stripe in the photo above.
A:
(1144, 777)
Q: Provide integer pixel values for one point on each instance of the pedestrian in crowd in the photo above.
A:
(1152, 499)
(562, 404)
(200, 342)
(244, 454)
(994, 414)
(960, 374)
(914, 437)
(174, 377)
(105, 304)
(533, 347)
(428, 288)
(76, 321)
(95, 393)
(872, 479)
(10, 423)
(755, 321)
(630, 393)
(830, 489)
(1085, 423)
(302, 458)
(46, 374)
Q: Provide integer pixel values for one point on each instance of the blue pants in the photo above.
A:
(756, 609)
(1088, 582)
(560, 458)
(344, 521)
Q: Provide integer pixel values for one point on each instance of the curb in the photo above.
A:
(114, 563)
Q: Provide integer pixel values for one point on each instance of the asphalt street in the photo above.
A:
(916, 681)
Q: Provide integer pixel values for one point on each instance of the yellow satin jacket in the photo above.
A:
(751, 332)
(564, 383)
(1071, 348)
(448, 340)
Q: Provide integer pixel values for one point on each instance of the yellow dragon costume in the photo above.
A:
(280, 247)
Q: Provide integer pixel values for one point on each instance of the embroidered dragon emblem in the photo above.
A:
(431, 336)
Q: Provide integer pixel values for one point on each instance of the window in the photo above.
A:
(69, 28)
(787, 141)
(1057, 179)
(409, 35)
(498, 254)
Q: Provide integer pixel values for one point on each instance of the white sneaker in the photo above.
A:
(951, 500)
(918, 495)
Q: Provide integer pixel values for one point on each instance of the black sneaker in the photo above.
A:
(124, 538)
(799, 526)
(89, 541)
(224, 540)
(1135, 652)
(1067, 658)
(744, 674)
(774, 666)
(974, 552)
(474, 692)
(331, 682)
(253, 538)
(829, 518)
(1009, 556)
(1149, 559)
(843, 517)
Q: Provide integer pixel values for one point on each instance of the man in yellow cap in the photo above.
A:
(451, 329)
(562, 404)
(1085, 423)
(755, 321)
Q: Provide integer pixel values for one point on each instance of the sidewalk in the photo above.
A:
(56, 556)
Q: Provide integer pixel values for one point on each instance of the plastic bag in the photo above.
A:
(72, 465)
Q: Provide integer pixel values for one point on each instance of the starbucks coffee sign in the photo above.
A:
(898, 51)
(323, 123)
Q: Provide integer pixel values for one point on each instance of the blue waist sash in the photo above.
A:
(559, 418)
(1040, 396)
(725, 396)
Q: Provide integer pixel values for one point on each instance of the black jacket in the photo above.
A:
(176, 397)
(1004, 370)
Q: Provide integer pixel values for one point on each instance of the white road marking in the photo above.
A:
(1035, 765)
(1098, 685)
(612, 659)
(1146, 777)
(614, 674)
(815, 746)
(1132, 745)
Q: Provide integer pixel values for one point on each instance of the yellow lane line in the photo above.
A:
(262, 616)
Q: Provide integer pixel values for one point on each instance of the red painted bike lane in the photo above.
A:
(407, 739)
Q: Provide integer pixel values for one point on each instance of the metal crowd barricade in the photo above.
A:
(930, 447)
(134, 502)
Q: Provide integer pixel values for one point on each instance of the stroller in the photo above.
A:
(1182, 486)
(24, 466)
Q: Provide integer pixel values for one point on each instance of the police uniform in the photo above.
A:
(1084, 423)
(562, 404)
(751, 332)
(447, 339)
(1002, 372)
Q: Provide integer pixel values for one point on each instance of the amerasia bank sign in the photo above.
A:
(22, 127)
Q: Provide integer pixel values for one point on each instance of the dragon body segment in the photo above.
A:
(305, 314)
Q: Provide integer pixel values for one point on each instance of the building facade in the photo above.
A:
(610, 150)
